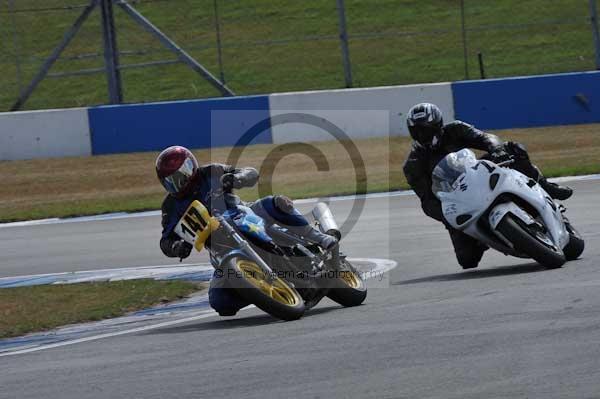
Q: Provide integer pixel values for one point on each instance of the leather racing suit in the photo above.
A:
(206, 188)
(456, 136)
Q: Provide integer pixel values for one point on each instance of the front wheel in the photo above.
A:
(277, 297)
(530, 241)
(348, 289)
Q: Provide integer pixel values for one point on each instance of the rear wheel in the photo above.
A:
(576, 244)
(277, 297)
(531, 241)
(349, 289)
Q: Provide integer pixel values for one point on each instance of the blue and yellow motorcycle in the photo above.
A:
(280, 272)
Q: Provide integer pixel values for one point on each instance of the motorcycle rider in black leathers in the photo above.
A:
(186, 181)
(433, 141)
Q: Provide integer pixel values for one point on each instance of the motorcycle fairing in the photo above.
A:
(500, 210)
(196, 225)
(248, 223)
(473, 195)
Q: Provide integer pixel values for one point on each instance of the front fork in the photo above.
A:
(245, 248)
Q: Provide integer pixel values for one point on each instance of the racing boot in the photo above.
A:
(285, 205)
(523, 164)
(556, 191)
(326, 241)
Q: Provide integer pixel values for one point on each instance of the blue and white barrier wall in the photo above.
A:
(562, 99)
(44, 134)
(194, 124)
(360, 113)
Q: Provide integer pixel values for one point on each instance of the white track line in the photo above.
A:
(128, 273)
(112, 334)
(123, 215)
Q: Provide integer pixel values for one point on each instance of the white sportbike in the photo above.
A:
(504, 209)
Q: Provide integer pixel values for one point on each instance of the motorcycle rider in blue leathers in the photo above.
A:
(185, 181)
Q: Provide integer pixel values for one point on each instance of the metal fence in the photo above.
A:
(203, 48)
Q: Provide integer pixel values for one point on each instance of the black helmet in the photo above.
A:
(425, 124)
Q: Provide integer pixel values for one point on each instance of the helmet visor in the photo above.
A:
(179, 179)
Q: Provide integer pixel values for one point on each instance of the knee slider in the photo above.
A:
(469, 259)
(468, 264)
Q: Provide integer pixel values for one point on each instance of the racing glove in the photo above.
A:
(499, 154)
(229, 181)
(517, 150)
(181, 249)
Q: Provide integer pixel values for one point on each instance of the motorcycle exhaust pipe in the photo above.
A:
(325, 220)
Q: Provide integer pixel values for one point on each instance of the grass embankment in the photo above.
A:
(269, 46)
(80, 186)
(31, 309)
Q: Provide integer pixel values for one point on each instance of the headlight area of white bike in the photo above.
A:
(500, 210)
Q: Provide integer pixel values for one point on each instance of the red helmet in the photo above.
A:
(176, 168)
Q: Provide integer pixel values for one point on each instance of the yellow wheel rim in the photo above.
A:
(278, 290)
(350, 278)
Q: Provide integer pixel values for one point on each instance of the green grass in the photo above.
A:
(61, 187)
(265, 49)
(43, 307)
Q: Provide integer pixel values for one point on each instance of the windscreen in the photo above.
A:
(449, 169)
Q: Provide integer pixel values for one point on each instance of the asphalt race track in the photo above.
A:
(507, 329)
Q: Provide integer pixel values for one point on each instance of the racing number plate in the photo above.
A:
(196, 225)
